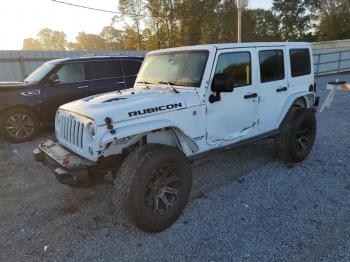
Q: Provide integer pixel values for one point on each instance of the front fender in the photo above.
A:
(141, 129)
(134, 129)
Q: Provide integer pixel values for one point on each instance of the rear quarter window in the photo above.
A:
(103, 69)
(300, 62)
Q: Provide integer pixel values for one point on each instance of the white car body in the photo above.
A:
(185, 118)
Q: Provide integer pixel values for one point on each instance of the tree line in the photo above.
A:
(156, 24)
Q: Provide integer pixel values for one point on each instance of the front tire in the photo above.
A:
(297, 135)
(152, 187)
(19, 125)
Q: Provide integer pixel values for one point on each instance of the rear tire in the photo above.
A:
(297, 135)
(19, 125)
(152, 187)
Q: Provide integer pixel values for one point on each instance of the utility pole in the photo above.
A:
(241, 4)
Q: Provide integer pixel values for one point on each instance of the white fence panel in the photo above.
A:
(15, 65)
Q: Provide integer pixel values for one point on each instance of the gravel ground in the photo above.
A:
(246, 205)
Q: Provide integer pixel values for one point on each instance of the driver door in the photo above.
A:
(71, 86)
(234, 117)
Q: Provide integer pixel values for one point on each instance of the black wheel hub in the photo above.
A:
(19, 125)
(162, 190)
(303, 136)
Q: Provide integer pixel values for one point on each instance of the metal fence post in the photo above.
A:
(21, 63)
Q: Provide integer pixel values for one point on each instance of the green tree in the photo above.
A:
(31, 44)
(47, 39)
(136, 10)
(88, 42)
(211, 25)
(335, 20)
(163, 22)
(294, 17)
(151, 40)
(114, 38)
(131, 41)
(266, 25)
(52, 40)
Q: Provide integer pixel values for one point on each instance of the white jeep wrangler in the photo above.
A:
(187, 102)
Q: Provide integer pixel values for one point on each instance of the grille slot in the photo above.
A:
(71, 131)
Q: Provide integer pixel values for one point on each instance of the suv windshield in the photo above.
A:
(39, 73)
(184, 68)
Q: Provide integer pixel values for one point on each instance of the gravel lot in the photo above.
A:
(246, 205)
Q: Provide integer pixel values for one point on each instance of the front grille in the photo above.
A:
(71, 131)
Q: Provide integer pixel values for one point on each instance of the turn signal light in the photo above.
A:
(66, 161)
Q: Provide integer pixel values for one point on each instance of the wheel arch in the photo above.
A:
(27, 107)
(173, 136)
(154, 132)
(301, 100)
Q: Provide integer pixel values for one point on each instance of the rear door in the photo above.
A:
(72, 85)
(273, 86)
(131, 68)
(104, 76)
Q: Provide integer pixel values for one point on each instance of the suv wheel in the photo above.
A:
(152, 187)
(19, 125)
(297, 135)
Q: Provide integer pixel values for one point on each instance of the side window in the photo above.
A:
(236, 66)
(131, 67)
(70, 73)
(300, 62)
(103, 69)
(271, 65)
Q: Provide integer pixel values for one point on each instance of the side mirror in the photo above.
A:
(221, 84)
(53, 79)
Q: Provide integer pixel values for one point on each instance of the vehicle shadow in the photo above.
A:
(231, 166)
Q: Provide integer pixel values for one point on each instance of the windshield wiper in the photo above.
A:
(170, 84)
(145, 83)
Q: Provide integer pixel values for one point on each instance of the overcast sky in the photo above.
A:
(20, 19)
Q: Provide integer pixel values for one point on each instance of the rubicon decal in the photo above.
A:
(155, 109)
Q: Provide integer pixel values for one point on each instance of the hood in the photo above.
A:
(131, 104)
(13, 85)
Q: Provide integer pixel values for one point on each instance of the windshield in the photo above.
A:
(39, 73)
(176, 68)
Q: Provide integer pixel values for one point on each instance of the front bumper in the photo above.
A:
(69, 168)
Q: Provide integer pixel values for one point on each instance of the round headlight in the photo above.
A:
(91, 129)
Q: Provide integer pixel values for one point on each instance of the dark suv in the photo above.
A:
(24, 106)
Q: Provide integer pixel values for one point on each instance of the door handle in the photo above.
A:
(121, 83)
(283, 89)
(82, 87)
(249, 96)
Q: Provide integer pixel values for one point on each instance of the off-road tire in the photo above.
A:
(6, 115)
(131, 185)
(286, 141)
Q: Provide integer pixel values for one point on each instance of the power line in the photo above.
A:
(86, 7)
(97, 9)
